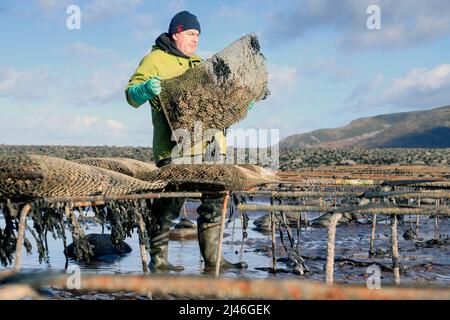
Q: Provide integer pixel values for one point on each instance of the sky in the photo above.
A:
(327, 63)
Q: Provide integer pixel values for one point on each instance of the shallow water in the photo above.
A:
(424, 266)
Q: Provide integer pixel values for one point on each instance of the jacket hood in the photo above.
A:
(165, 43)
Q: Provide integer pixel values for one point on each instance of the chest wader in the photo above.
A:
(164, 211)
(208, 226)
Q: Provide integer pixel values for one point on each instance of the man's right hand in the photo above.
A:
(153, 86)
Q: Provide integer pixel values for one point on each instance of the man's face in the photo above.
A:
(186, 41)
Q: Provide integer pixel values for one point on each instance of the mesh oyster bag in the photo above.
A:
(130, 167)
(209, 177)
(219, 90)
(34, 176)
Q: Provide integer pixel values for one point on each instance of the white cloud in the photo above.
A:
(176, 5)
(422, 29)
(205, 54)
(403, 22)
(364, 93)
(82, 48)
(98, 10)
(27, 84)
(419, 88)
(115, 125)
(282, 78)
(47, 5)
(329, 67)
(51, 126)
(91, 10)
(8, 79)
(81, 123)
(422, 79)
(50, 120)
(51, 6)
(145, 26)
(104, 85)
(227, 12)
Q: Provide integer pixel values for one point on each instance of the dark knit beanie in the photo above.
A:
(183, 21)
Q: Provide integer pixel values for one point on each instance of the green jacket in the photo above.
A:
(166, 65)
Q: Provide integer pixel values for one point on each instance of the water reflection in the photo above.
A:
(424, 264)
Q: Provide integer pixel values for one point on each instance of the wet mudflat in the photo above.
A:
(425, 260)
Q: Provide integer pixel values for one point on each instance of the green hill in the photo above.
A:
(419, 129)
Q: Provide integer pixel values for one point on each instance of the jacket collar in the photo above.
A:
(165, 43)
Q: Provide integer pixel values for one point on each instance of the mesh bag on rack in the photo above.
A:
(33, 176)
(209, 177)
(130, 167)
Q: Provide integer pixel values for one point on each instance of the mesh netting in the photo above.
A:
(208, 177)
(218, 91)
(130, 167)
(42, 176)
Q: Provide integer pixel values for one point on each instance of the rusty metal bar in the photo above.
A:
(21, 236)
(372, 237)
(299, 193)
(272, 234)
(329, 278)
(418, 219)
(100, 200)
(305, 213)
(142, 249)
(379, 209)
(433, 194)
(417, 224)
(433, 184)
(221, 231)
(327, 183)
(287, 208)
(231, 288)
(103, 199)
(436, 222)
(184, 210)
(18, 291)
(394, 243)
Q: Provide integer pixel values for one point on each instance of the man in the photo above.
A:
(172, 55)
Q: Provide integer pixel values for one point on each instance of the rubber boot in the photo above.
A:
(208, 239)
(164, 211)
(159, 249)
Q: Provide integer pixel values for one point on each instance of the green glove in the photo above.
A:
(251, 105)
(142, 92)
(153, 86)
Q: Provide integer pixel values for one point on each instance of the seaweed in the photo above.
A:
(123, 216)
(254, 44)
(7, 236)
(221, 69)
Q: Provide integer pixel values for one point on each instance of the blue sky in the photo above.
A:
(326, 68)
